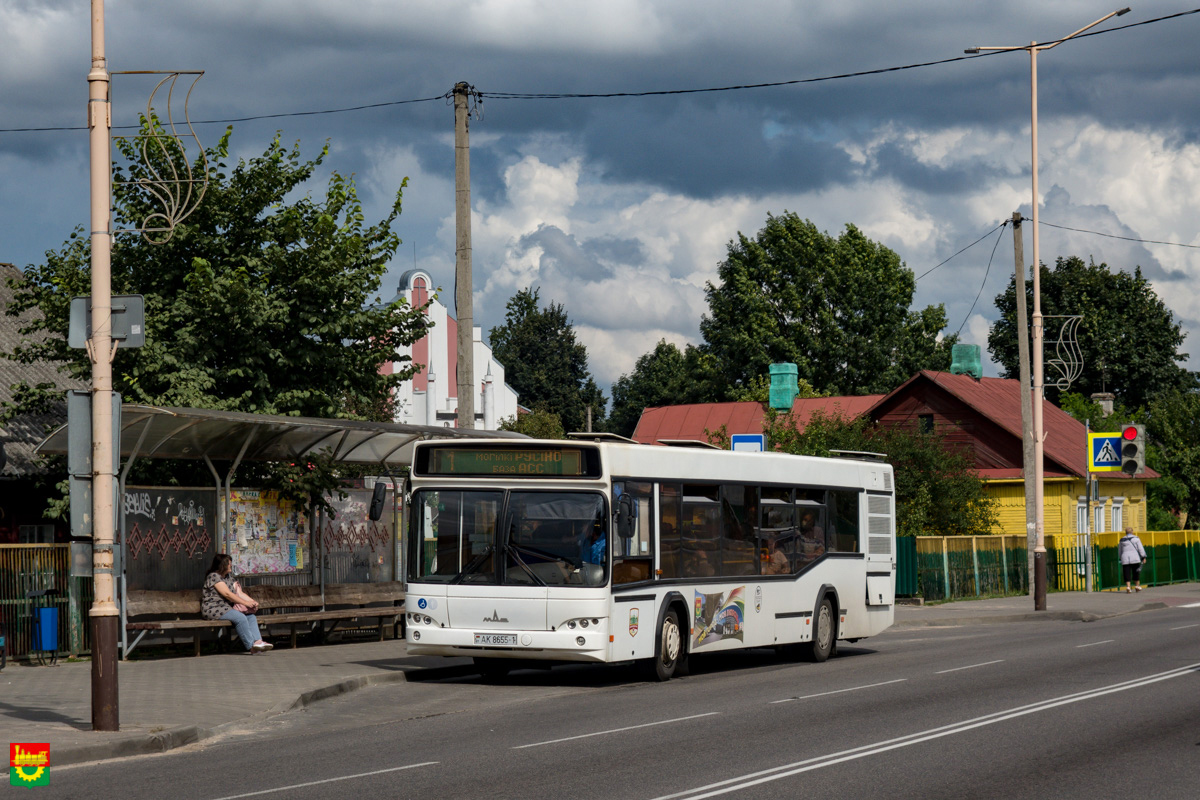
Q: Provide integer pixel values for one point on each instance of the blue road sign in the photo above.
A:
(1104, 452)
(748, 442)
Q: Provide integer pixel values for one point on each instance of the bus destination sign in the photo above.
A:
(514, 461)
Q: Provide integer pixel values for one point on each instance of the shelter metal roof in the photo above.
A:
(166, 432)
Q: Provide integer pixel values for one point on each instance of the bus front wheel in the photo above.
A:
(670, 657)
(821, 646)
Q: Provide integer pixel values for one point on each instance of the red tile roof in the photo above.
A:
(691, 421)
(999, 399)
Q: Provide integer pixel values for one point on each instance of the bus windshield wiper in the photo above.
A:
(516, 554)
(473, 565)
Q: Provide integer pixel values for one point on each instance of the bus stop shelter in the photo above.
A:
(226, 439)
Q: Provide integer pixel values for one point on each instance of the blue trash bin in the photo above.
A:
(45, 629)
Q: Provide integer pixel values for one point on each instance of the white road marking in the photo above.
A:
(972, 666)
(1190, 605)
(807, 765)
(329, 780)
(616, 730)
(1181, 627)
(838, 691)
(1093, 644)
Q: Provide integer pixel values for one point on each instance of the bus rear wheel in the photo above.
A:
(821, 646)
(670, 658)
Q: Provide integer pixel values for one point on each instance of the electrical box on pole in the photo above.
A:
(79, 457)
(1133, 448)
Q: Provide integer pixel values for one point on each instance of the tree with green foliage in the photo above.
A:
(1129, 340)
(838, 308)
(538, 424)
(1173, 499)
(938, 492)
(1173, 427)
(263, 300)
(665, 376)
(544, 362)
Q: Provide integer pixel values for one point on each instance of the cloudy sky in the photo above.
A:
(621, 208)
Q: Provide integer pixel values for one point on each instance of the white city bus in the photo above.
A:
(594, 551)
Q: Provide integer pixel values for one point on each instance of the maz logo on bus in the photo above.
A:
(495, 617)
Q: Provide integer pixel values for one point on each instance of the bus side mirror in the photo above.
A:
(625, 517)
(378, 497)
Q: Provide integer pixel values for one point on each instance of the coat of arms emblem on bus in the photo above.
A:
(720, 616)
(633, 621)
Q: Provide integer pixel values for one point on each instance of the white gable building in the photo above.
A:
(431, 397)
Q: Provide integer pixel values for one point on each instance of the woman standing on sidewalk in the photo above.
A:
(1132, 556)
(224, 599)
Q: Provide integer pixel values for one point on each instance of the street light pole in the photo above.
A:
(105, 707)
(1039, 434)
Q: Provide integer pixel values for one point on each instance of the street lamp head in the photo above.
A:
(971, 51)
(1122, 12)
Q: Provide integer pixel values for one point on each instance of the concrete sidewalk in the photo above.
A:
(169, 702)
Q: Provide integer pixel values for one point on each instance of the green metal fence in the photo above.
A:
(26, 568)
(971, 566)
(953, 567)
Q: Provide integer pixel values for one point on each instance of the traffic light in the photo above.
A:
(1133, 448)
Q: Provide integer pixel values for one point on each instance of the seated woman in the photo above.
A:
(220, 600)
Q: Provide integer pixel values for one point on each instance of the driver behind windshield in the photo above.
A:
(594, 547)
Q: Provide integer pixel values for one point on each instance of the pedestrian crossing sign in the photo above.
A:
(1104, 452)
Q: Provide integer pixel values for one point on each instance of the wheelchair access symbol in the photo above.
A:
(1104, 452)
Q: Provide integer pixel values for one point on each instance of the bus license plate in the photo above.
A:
(496, 639)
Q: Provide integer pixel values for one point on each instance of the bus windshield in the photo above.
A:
(543, 539)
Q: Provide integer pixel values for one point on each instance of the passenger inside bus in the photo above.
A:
(812, 536)
(775, 561)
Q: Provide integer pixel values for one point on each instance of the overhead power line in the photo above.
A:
(1114, 236)
(597, 95)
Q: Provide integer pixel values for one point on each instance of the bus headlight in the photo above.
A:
(416, 635)
(579, 640)
(571, 624)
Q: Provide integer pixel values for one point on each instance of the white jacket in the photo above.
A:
(1130, 549)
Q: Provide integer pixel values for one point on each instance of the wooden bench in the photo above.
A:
(376, 604)
(380, 602)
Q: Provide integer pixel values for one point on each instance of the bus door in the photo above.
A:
(633, 544)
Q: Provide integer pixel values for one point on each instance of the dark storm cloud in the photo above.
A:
(563, 254)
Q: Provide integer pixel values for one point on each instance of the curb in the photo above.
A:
(1036, 616)
(164, 741)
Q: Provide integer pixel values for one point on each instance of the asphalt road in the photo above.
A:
(1039, 709)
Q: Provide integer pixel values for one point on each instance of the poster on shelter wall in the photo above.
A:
(267, 534)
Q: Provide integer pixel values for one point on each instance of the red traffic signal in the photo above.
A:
(1133, 448)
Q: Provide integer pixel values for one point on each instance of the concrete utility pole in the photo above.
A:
(462, 261)
(1027, 448)
(105, 706)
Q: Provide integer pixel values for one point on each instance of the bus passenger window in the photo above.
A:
(844, 516)
(669, 549)
(739, 552)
